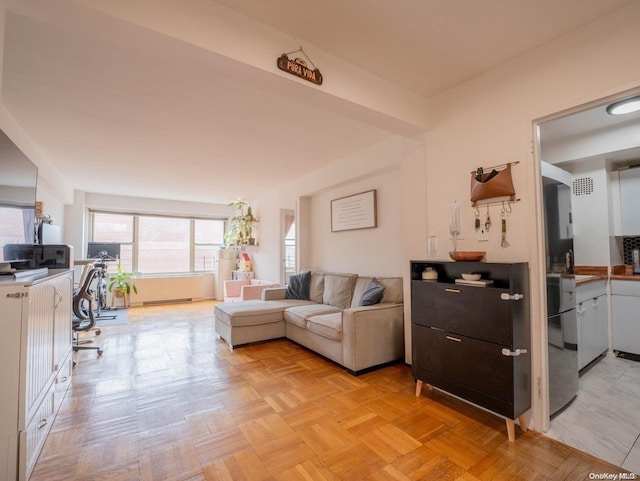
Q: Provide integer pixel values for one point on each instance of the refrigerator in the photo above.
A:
(562, 321)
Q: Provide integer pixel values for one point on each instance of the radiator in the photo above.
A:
(156, 290)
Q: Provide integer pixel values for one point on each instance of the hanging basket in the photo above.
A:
(497, 183)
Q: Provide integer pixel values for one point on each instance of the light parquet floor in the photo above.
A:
(170, 401)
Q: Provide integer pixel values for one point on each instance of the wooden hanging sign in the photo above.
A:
(298, 67)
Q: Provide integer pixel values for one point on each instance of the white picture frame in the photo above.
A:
(357, 211)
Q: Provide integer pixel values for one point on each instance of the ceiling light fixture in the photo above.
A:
(625, 106)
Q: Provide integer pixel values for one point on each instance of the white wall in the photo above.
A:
(379, 251)
(51, 203)
(376, 251)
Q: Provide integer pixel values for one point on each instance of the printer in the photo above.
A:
(37, 256)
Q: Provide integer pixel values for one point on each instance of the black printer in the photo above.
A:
(37, 256)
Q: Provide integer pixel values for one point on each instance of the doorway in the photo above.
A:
(288, 244)
(590, 146)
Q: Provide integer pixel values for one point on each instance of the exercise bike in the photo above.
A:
(98, 290)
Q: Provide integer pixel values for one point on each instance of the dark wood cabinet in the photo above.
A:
(474, 341)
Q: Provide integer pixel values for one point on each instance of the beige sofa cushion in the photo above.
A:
(251, 313)
(299, 315)
(392, 289)
(317, 287)
(327, 325)
(338, 289)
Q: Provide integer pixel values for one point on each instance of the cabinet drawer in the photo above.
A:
(625, 288)
(63, 381)
(590, 290)
(32, 439)
(478, 365)
(475, 312)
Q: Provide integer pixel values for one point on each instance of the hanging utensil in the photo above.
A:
(487, 222)
(476, 213)
(503, 215)
(454, 223)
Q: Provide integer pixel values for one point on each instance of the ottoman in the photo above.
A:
(250, 321)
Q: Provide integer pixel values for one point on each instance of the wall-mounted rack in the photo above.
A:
(496, 167)
(494, 182)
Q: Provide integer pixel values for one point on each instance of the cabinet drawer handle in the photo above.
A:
(516, 353)
(511, 297)
(454, 339)
(64, 379)
(455, 291)
(42, 423)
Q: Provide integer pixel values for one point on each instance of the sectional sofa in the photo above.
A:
(355, 321)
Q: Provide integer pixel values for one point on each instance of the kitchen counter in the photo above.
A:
(588, 274)
(582, 279)
(625, 277)
(623, 273)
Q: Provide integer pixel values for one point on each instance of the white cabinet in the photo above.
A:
(625, 306)
(629, 201)
(593, 339)
(35, 352)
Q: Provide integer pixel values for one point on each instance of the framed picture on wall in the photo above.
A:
(357, 211)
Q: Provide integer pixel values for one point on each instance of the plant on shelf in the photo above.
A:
(240, 225)
(121, 283)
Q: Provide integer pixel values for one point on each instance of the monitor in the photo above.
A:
(98, 250)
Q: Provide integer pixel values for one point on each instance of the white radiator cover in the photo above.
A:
(172, 289)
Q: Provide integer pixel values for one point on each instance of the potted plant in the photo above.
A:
(240, 225)
(121, 283)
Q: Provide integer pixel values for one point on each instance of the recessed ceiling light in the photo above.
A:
(625, 106)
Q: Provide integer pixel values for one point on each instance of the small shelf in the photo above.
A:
(502, 274)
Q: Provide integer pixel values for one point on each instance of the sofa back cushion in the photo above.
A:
(338, 289)
(316, 287)
(392, 289)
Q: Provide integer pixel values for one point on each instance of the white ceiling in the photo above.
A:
(110, 110)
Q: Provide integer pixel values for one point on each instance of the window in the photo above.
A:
(161, 244)
(115, 228)
(14, 224)
(208, 237)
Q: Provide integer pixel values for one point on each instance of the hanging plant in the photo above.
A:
(240, 225)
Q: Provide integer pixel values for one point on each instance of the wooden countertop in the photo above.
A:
(586, 274)
(582, 279)
(623, 273)
(625, 277)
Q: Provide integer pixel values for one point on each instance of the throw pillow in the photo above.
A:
(299, 286)
(372, 294)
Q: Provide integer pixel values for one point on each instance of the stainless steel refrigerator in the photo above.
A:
(561, 296)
